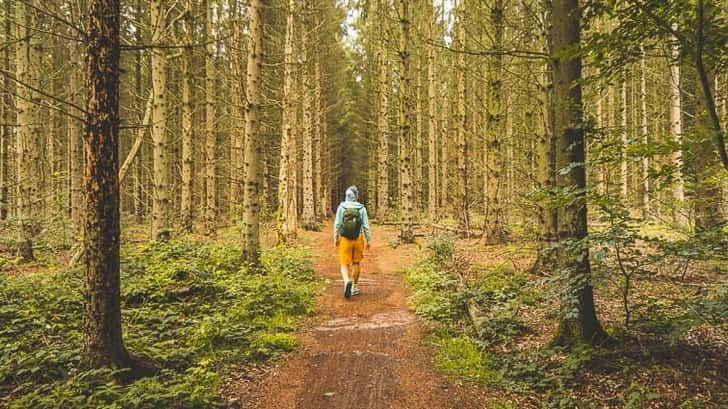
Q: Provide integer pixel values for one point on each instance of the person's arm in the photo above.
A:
(338, 221)
(365, 225)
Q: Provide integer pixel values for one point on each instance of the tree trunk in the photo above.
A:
(162, 201)
(103, 343)
(676, 133)
(462, 157)
(319, 201)
(7, 119)
(139, 197)
(545, 156)
(75, 156)
(495, 231)
(188, 109)
(253, 138)
(28, 132)
(308, 216)
(238, 134)
(210, 140)
(383, 117)
(287, 197)
(708, 188)
(624, 164)
(645, 139)
(406, 117)
(444, 162)
(418, 174)
(431, 120)
(566, 108)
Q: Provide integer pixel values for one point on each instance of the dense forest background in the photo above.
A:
(592, 134)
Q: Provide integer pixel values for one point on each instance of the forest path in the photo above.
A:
(365, 352)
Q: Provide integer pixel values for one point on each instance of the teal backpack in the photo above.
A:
(351, 226)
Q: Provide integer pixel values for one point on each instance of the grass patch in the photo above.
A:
(187, 305)
(461, 356)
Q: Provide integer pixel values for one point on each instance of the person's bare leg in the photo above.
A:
(355, 269)
(345, 273)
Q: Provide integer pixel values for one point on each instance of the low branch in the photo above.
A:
(139, 138)
(493, 52)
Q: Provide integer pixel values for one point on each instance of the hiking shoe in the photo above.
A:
(347, 289)
(355, 291)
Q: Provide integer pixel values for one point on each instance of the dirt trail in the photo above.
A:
(366, 352)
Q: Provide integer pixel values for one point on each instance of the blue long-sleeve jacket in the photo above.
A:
(338, 222)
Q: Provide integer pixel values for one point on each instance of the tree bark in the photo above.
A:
(188, 109)
(238, 131)
(432, 177)
(7, 118)
(495, 231)
(676, 133)
(406, 117)
(139, 197)
(383, 117)
(624, 164)
(645, 139)
(566, 107)
(28, 132)
(103, 343)
(162, 202)
(253, 139)
(308, 216)
(462, 141)
(287, 197)
(210, 139)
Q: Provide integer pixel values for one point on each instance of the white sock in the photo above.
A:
(345, 273)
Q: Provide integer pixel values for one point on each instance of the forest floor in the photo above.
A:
(365, 352)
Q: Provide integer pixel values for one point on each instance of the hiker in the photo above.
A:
(350, 229)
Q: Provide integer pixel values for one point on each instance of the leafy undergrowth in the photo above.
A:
(672, 355)
(188, 307)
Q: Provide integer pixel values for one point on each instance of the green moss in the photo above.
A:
(460, 356)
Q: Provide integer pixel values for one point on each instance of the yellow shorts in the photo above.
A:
(351, 251)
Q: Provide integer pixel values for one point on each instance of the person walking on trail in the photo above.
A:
(351, 227)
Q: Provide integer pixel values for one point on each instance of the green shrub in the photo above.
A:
(187, 306)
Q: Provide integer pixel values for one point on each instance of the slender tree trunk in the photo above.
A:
(188, 109)
(161, 155)
(383, 117)
(444, 159)
(210, 139)
(318, 106)
(676, 132)
(432, 164)
(418, 174)
(545, 153)
(624, 164)
(308, 217)
(462, 141)
(406, 117)
(238, 134)
(287, 200)
(253, 138)
(139, 198)
(103, 343)
(495, 231)
(28, 132)
(708, 205)
(7, 119)
(645, 139)
(566, 108)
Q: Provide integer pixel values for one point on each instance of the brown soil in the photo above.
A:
(365, 352)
